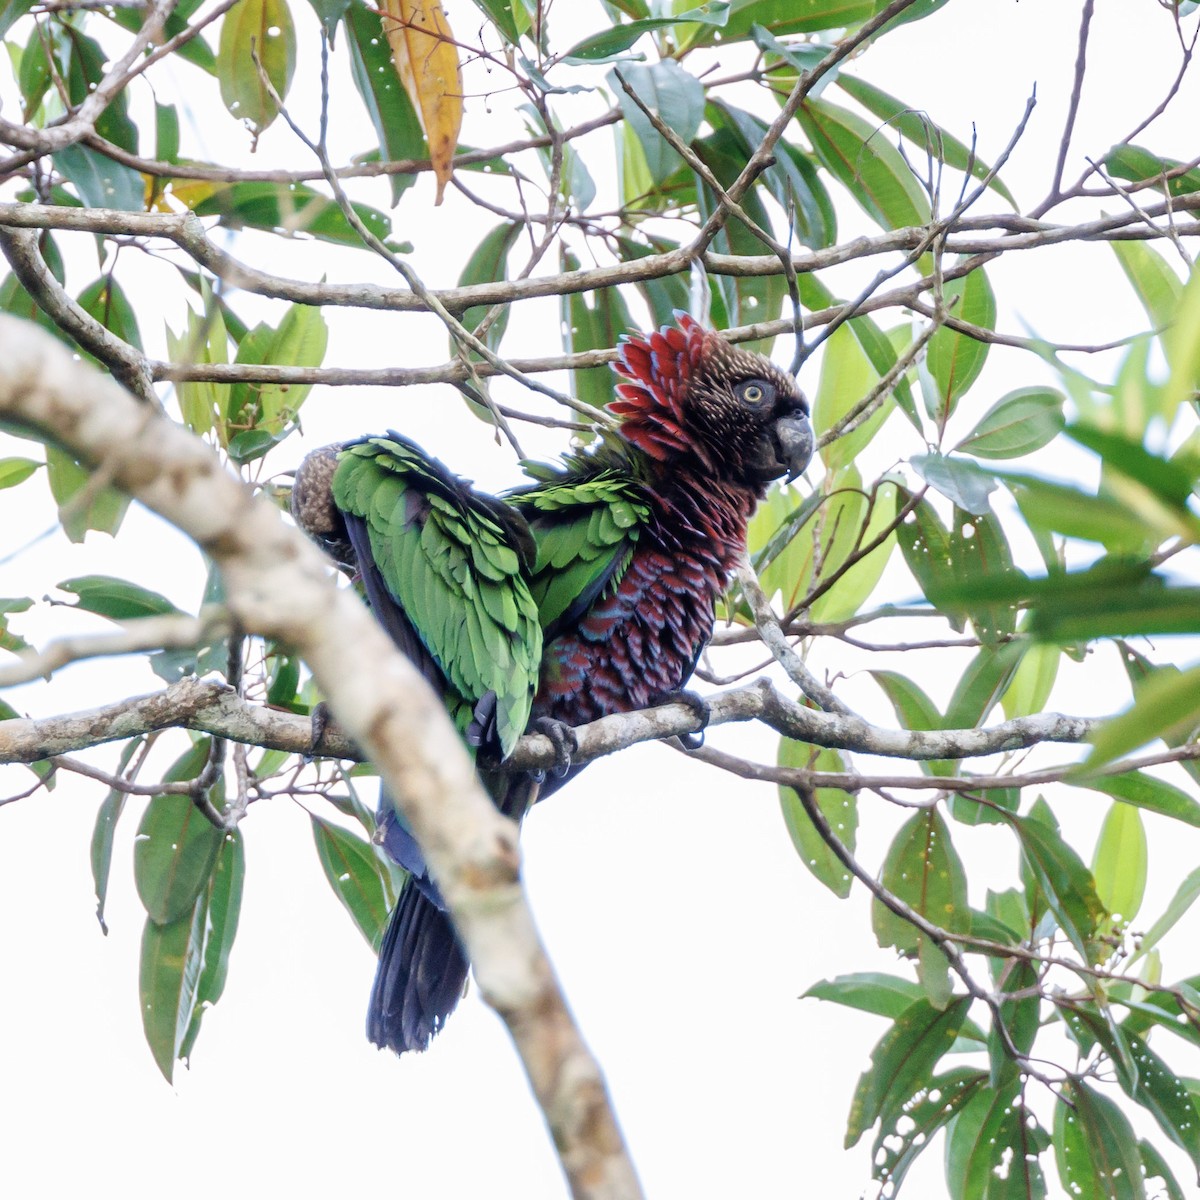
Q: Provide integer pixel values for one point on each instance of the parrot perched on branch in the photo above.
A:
(590, 591)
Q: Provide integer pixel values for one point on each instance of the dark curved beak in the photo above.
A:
(794, 433)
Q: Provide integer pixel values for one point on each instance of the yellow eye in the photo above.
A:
(755, 392)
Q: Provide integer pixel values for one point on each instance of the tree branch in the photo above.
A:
(176, 630)
(215, 708)
(278, 586)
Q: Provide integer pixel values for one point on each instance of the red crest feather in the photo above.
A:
(658, 370)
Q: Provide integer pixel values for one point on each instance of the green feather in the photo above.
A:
(455, 569)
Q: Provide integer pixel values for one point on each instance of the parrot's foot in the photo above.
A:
(700, 709)
(322, 722)
(562, 737)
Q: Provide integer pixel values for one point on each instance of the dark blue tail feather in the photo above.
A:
(421, 974)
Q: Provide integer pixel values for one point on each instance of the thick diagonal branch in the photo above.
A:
(278, 586)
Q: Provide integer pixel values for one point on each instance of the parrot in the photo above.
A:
(588, 591)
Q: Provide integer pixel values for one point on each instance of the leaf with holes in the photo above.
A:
(923, 870)
(254, 34)
(902, 1062)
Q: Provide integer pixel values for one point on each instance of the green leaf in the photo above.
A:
(269, 408)
(171, 963)
(194, 50)
(1134, 163)
(925, 543)
(846, 521)
(592, 327)
(782, 17)
(673, 95)
(16, 470)
(8, 639)
(1156, 1168)
(289, 209)
(737, 299)
(929, 138)
(87, 65)
(1095, 1148)
(902, 1062)
(393, 117)
(184, 962)
(262, 29)
(984, 681)
(166, 132)
(1148, 792)
(794, 182)
(104, 509)
(993, 1122)
(924, 871)
(1157, 1088)
(856, 583)
(353, 872)
(1058, 508)
(870, 991)
(488, 264)
(620, 38)
(1119, 863)
(1171, 482)
(1156, 285)
(14, 299)
(958, 479)
(954, 359)
(1167, 706)
(1183, 899)
(283, 680)
(13, 10)
(105, 300)
(510, 17)
(908, 1132)
(99, 181)
(914, 709)
(1020, 1020)
(330, 13)
(915, 12)
(847, 376)
(176, 846)
(804, 56)
(117, 599)
(1020, 422)
(202, 405)
(105, 829)
(1182, 345)
(866, 163)
(1066, 883)
(1033, 681)
(223, 902)
(840, 809)
(33, 71)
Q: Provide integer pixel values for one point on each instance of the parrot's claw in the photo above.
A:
(700, 709)
(321, 719)
(562, 737)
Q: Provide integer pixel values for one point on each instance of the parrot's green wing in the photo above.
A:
(586, 531)
(446, 570)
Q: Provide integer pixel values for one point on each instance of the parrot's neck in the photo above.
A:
(704, 516)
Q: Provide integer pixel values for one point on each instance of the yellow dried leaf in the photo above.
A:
(426, 59)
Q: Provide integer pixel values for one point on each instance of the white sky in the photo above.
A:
(677, 915)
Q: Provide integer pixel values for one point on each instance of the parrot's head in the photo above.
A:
(688, 394)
